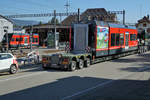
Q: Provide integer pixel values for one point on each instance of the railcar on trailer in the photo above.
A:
(105, 40)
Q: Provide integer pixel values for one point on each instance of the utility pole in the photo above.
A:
(7, 41)
(67, 7)
(56, 42)
(124, 17)
(78, 15)
(31, 32)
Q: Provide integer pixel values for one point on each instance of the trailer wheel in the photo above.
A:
(81, 64)
(73, 66)
(87, 62)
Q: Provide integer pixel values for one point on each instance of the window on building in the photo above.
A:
(144, 25)
(113, 36)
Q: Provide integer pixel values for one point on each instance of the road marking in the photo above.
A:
(23, 76)
(103, 84)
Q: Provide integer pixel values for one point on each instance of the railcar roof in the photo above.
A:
(114, 25)
(23, 33)
(120, 26)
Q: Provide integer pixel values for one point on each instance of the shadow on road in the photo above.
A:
(143, 66)
(117, 90)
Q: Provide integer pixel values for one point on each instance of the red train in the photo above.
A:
(104, 39)
(21, 40)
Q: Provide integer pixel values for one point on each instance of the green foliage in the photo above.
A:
(52, 21)
(51, 40)
(40, 23)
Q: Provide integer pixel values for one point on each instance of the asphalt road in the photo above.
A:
(126, 78)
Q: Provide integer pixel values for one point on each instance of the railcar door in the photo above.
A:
(25, 41)
(127, 40)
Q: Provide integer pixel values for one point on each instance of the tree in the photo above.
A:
(52, 21)
(40, 22)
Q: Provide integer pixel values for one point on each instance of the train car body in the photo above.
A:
(18, 39)
(21, 40)
(112, 39)
(35, 39)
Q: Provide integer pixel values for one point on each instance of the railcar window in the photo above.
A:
(21, 39)
(17, 39)
(121, 39)
(113, 36)
(36, 39)
(132, 37)
(13, 39)
(117, 39)
(33, 39)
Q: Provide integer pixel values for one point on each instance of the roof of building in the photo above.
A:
(6, 19)
(144, 19)
(90, 14)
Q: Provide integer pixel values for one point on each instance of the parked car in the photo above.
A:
(8, 63)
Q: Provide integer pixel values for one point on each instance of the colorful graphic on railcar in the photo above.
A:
(102, 37)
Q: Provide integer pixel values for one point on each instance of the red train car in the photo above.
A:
(18, 39)
(104, 39)
(114, 38)
(21, 40)
(35, 40)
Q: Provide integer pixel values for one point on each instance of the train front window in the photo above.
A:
(36, 39)
(17, 39)
(33, 39)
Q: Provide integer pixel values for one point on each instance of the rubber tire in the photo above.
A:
(13, 69)
(87, 63)
(45, 68)
(73, 66)
(81, 64)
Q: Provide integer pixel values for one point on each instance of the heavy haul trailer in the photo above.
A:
(105, 40)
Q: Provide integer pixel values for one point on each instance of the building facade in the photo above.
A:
(144, 25)
(99, 14)
(6, 25)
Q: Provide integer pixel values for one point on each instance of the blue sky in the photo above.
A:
(135, 9)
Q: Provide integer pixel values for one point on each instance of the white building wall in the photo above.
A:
(5, 25)
(142, 27)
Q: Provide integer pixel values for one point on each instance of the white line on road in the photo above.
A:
(87, 90)
(23, 76)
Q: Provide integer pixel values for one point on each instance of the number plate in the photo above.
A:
(65, 63)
